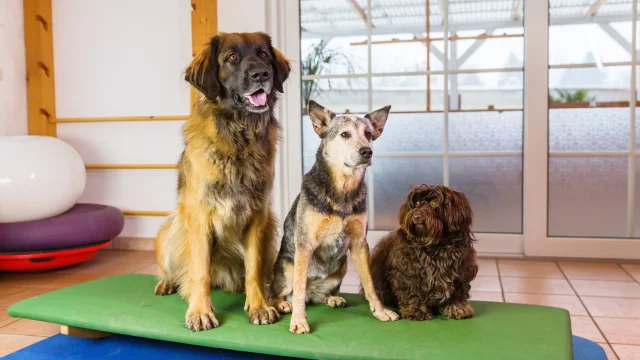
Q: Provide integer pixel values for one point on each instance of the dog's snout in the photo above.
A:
(366, 152)
(259, 75)
(417, 218)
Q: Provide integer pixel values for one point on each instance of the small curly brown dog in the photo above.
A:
(427, 265)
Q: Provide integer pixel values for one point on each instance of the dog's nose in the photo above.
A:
(366, 152)
(259, 75)
(417, 218)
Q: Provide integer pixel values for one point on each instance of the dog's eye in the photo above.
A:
(433, 204)
(368, 135)
(345, 135)
(263, 54)
(233, 57)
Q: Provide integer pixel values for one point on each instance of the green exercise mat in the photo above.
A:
(126, 305)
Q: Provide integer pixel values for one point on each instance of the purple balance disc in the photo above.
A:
(82, 225)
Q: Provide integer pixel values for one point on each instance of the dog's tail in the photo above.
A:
(379, 261)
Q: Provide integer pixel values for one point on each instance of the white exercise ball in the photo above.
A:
(40, 177)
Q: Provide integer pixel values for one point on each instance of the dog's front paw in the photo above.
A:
(299, 325)
(165, 287)
(197, 321)
(383, 314)
(457, 311)
(283, 306)
(263, 315)
(336, 301)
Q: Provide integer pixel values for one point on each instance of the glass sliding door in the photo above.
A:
(456, 122)
(528, 107)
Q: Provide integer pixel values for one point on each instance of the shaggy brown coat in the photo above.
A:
(427, 265)
(221, 233)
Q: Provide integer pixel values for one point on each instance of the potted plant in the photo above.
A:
(571, 99)
(319, 58)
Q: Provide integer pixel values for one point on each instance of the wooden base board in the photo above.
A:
(133, 243)
(83, 333)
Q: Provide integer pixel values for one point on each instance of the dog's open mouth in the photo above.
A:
(257, 98)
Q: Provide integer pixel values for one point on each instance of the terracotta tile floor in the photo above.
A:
(603, 298)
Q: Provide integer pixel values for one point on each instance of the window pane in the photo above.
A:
(588, 43)
(404, 93)
(338, 95)
(327, 29)
(496, 199)
(482, 91)
(403, 53)
(586, 87)
(602, 129)
(392, 177)
(415, 132)
(588, 196)
(485, 131)
(504, 51)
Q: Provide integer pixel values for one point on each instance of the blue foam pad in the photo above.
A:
(584, 349)
(120, 347)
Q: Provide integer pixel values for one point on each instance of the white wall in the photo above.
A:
(126, 58)
(13, 86)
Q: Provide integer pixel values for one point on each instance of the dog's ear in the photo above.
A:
(406, 206)
(281, 65)
(202, 72)
(281, 70)
(378, 119)
(320, 118)
(458, 213)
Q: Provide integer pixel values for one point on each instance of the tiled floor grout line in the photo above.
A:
(586, 309)
(504, 299)
(628, 273)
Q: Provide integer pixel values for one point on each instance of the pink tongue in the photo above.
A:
(258, 99)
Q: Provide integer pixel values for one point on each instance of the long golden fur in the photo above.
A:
(221, 233)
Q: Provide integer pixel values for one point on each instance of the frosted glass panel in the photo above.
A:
(494, 188)
(589, 129)
(392, 177)
(411, 132)
(485, 131)
(636, 221)
(587, 197)
(310, 143)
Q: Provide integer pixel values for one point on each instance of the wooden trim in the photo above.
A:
(204, 25)
(83, 333)
(38, 40)
(490, 109)
(130, 166)
(120, 118)
(360, 11)
(144, 213)
(586, 104)
(483, 36)
(133, 243)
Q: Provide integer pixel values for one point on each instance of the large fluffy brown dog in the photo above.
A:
(427, 265)
(222, 232)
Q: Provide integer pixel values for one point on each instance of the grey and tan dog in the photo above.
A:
(328, 218)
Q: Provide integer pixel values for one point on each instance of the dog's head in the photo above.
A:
(347, 140)
(239, 71)
(431, 213)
